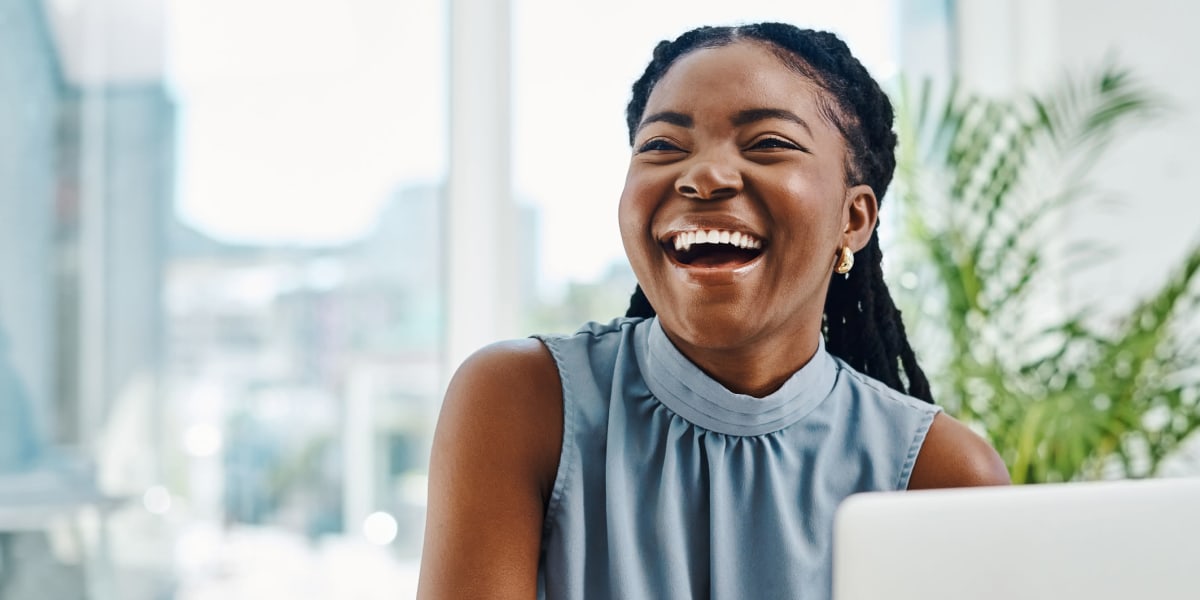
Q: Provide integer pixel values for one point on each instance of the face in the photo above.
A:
(735, 206)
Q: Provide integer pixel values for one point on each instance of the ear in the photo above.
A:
(861, 213)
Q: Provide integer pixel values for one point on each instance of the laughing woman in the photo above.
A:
(698, 447)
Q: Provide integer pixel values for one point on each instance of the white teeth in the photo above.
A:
(684, 241)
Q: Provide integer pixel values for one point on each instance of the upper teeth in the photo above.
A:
(684, 240)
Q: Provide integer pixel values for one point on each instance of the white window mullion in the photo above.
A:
(479, 217)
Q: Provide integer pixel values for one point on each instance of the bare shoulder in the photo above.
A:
(506, 397)
(523, 362)
(955, 456)
(492, 467)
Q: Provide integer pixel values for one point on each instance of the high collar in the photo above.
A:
(689, 392)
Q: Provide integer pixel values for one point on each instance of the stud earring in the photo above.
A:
(846, 263)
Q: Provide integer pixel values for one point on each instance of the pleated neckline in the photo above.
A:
(689, 392)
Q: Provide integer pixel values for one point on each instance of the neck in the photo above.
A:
(754, 369)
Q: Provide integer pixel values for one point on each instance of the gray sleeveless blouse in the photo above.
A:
(671, 486)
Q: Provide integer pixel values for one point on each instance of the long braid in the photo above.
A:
(639, 305)
(862, 325)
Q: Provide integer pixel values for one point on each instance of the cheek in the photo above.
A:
(808, 203)
(628, 219)
(632, 221)
(634, 209)
(811, 218)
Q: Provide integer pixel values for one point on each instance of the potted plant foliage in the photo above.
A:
(982, 183)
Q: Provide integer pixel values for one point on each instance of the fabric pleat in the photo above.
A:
(671, 486)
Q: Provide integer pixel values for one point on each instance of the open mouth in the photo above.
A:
(713, 248)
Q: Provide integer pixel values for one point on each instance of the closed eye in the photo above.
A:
(775, 143)
(659, 145)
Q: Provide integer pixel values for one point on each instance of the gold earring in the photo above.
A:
(846, 263)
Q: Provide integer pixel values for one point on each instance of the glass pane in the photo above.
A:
(220, 297)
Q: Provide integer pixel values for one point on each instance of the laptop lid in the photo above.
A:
(1100, 541)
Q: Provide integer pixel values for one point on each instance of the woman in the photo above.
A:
(699, 447)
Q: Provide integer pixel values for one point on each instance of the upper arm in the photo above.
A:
(954, 456)
(494, 459)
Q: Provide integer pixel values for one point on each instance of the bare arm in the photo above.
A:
(495, 455)
(954, 456)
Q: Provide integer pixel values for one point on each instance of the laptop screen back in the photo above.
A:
(1121, 540)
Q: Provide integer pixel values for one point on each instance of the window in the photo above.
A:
(222, 309)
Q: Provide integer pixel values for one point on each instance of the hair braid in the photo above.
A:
(639, 305)
(861, 325)
(864, 328)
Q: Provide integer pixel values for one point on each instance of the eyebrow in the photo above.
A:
(673, 118)
(744, 117)
(762, 114)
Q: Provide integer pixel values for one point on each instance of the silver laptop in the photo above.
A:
(1123, 540)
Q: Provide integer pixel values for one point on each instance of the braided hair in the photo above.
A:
(861, 323)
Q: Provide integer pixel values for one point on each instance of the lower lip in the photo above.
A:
(715, 276)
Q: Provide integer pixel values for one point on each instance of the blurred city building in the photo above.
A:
(80, 279)
(320, 366)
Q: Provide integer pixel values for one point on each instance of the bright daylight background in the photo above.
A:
(223, 235)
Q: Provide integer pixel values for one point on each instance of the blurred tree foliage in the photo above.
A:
(983, 184)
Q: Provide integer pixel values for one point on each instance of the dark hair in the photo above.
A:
(862, 325)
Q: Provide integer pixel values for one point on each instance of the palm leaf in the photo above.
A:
(980, 181)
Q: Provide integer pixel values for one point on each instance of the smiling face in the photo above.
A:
(736, 205)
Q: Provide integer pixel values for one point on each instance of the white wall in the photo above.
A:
(1019, 44)
(1153, 172)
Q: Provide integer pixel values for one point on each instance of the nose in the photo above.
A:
(709, 177)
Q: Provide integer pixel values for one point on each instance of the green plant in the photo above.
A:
(983, 184)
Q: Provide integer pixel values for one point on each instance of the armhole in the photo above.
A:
(914, 447)
(567, 453)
